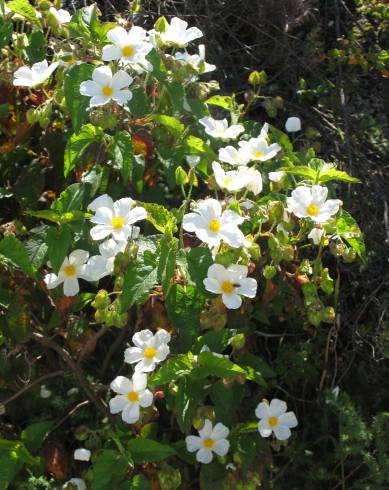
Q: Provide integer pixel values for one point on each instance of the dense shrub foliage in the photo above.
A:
(170, 272)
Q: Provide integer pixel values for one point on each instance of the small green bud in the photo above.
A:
(161, 24)
(255, 252)
(101, 300)
(100, 316)
(181, 176)
(269, 271)
(315, 317)
(276, 211)
(193, 178)
(349, 255)
(258, 78)
(238, 341)
(81, 433)
(337, 248)
(329, 314)
(31, 116)
(279, 102)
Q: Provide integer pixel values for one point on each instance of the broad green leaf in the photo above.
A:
(258, 364)
(10, 466)
(14, 250)
(199, 260)
(139, 104)
(196, 146)
(122, 154)
(190, 393)
(160, 217)
(58, 243)
(348, 228)
(29, 185)
(172, 369)
(37, 46)
(20, 450)
(139, 279)
(139, 482)
(167, 262)
(109, 469)
(78, 143)
(224, 101)
(36, 247)
(171, 123)
(33, 435)
(226, 400)
(333, 174)
(76, 103)
(71, 199)
(60, 218)
(184, 305)
(211, 365)
(307, 172)
(159, 70)
(25, 9)
(216, 340)
(6, 29)
(148, 450)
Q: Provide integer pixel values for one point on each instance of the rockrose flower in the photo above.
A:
(72, 269)
(311, 202)
(275, 419)
(105, 87)
(210, 440)
(218, 128)
(150, 349)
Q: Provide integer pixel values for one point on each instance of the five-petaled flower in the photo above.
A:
(211, 225)
(72, 269)
(311, 202)
(210, 440)
(177, 33)
(114, 218)
(196, 61)
(231, 282)
(37, 74)
(62, 16)
(275, 419)
(150, 349)
(218, 128)
(131, 394)
(233, 156)
(105, 87)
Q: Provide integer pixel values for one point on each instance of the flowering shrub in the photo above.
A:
(171, 218)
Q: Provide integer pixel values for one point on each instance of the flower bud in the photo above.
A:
(258, 78)
(100, 316)
(349, 255)
(269, 271)
(81, 433)
(329, 314)
(101, 300)
(238, 341)
(181, 176)
(161, 24)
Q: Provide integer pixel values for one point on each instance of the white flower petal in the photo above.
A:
(264, 428)
(193, 443)
(206, 430)
(146, 399)
(262, 411)
(121, 79)
(221, 447)
(277, 407)
(103, 201)
(133, 354)
(121, 385)
(141, 339)
(248, 287)
(52, 281)
(118, 403)
(100, 232)
(130, 413)
(220, 431)
(139, 381)
(102, 75)
(282, 432)
(232, 301)
(204, 455)
(70, 286)
(289, 419)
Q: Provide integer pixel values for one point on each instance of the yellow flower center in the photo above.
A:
(227, 287)
(258, 154)
(69, 270)
(312, 210)
(117, 223)
(132, 396)
(127, 51)
(107, 90)
(273, 421)
(214, 225)
(149, 352)
(209, 443)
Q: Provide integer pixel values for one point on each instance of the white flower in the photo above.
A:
(79, 483)
(131, 394)
(276, 176)
(253, 179)
(196, 61)
(218, 128)
(257, 149)
(114, 218)
(72, 269)
(45, 393)
(177, 33)
(82, 454)
(102, 265)
(233, 156)
(149, 350)
(62, 16)
(104, 87)
(231, 282)
(87, 13)
(275, 418)
(233, 180)
(310, 202)
(211, 440)
(37, 74)
(316, 235)
(192, 160)
(293, 124)
(211, 225)
(130, 47)
(72, 391)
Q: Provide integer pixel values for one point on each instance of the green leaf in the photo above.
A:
(139, 482)
(139, 278)
(199, 260)
(172, 369)
(159, 70)
(71, 199)
(171, 123)
(184, 305)
(196, 146)
(216, 340)
(25, 9)
(33, 435)
(227, 399)
(211, 365)
(139, 104)
(58, 243)
(109, 469)
(20, 450)
(190, 393)
(37, 46)
(333, 174)
(6, 29)
(160, 217)
(122, 154)
(148, 450)
(255, 362)
(76, 103)
(348, 228)
(14, 250)
(78, 143)
(10, 466)
(167, 262)
(224, 101)
(59, 218)
(307, 172)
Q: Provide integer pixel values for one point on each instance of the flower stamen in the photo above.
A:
(214, 225)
